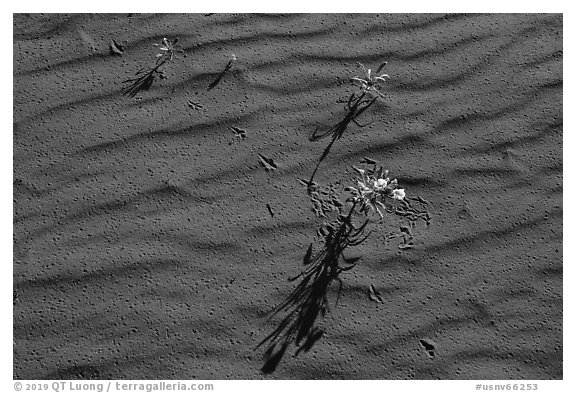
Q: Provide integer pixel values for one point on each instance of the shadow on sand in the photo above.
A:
(356, 105)
(309, 298)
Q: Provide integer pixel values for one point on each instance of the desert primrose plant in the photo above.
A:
(374, 189)
(373, 193)
(369, 84)
(145, 76)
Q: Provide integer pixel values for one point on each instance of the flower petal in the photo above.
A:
(398, 194)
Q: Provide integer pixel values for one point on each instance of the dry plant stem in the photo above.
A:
(221, 75)
(309, 299)
(356, 106)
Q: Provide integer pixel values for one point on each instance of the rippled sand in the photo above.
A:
(143, 246)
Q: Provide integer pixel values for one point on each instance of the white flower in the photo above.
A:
(380, 183)
(398, 194)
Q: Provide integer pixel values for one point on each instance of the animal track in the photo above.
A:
(239, 132)
(375, 295)
(115, 48)
(407, 243)
(267, 163)
(429, 346)
(195, 105)
(325, 199)
(270, 210)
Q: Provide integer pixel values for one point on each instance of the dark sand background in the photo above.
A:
(143, 248)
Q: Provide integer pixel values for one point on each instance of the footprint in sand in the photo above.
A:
(375, 295)
(512, 161)
(429, 346)
(87, 40)
(239, 132)
(267, 163)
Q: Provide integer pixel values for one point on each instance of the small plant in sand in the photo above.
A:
(369, 84)
(145, 76)
(357, 104)
(373, 192)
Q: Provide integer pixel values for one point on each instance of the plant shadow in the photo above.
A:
(216, 81)
(309, 299)
(355, 106)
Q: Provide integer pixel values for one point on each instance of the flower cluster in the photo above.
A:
(374, 188)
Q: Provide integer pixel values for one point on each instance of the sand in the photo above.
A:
(143, 244)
